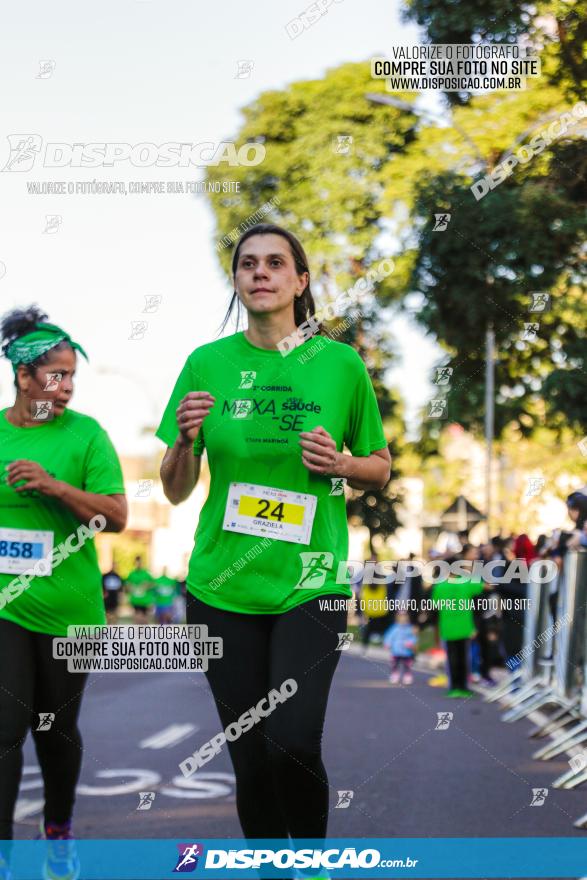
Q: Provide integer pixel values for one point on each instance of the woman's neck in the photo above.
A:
(268, 333)
(19, 413)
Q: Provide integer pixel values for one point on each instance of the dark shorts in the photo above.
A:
(141, 609)
(111, 600)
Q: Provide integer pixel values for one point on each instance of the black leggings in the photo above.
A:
(458, 663)
(281, 783)
(32, 682)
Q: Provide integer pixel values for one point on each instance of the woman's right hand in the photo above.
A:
(190, 414)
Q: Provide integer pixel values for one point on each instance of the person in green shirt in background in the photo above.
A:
(274, 406)
(60, 482)
(457, 626)
(139, 585)
(164, 592)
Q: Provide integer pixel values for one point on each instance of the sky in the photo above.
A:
(145, 71)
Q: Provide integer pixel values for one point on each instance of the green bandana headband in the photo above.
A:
(28, 348)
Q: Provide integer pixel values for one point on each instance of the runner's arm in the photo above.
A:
(365, 471)
(86, 505)
(319, 454)
(83, 505)
(180, 470)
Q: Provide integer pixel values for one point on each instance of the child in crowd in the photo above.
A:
(401, 640)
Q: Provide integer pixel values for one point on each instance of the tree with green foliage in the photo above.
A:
(523, 236)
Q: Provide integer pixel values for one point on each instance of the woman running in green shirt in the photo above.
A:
(60, 481)
(273, 529)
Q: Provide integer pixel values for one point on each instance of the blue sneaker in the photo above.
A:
(61, 862)
(5, 872)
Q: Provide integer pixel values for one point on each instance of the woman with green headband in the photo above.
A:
(60, 482)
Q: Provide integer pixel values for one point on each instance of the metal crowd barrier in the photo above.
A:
(553, 672)
(529, 679)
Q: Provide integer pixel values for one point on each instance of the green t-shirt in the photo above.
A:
(458, 623)
(165, 591)
(74, 448)
(262, 402)
(139, 584)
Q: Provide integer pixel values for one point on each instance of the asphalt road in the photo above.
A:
(408, 779)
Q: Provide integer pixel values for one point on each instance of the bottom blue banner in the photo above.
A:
(224, 858)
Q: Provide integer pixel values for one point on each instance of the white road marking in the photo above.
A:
(201, 786)
(169, 736)
(144, 780)
(25, 807)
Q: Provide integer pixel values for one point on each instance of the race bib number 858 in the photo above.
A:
(20, 549)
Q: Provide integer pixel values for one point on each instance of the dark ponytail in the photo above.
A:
(19, 322)
(304, 306)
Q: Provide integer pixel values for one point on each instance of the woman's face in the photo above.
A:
(51, 381)
(574, 513)
(266, 279)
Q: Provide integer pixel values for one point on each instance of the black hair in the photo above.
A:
(578, 501)
(19, 322)
(304, 306)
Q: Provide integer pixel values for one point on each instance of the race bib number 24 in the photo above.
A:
(269, 512)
